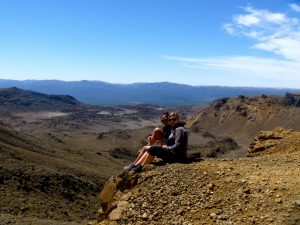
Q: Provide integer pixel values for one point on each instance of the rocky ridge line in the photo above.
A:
(243, 117)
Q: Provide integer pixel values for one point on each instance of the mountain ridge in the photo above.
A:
(242, 117)
(161, 93)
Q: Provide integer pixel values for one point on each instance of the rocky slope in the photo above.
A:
(242, 117)
(38, 181)
(260, 189)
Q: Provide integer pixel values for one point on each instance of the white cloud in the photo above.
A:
(295, 7)
(259, 17)
(274, 32)
(247, 20)
(287, 47)
(252, 67)
(228, 28)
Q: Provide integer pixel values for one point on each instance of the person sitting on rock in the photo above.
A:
(161, 135)
(158, 135)
(174, 150)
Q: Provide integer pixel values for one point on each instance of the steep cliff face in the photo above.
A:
(260, 189)
(242, 117)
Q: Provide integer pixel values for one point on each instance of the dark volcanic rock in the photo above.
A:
(219, 103)
(291, 99)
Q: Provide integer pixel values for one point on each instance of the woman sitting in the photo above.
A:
(174, 150)
(160, 135)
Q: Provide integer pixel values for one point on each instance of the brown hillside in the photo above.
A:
(242, 117)
(39, 178)
(55, 156)
(262, 189)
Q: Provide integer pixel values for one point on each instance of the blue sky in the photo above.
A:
(197, 42)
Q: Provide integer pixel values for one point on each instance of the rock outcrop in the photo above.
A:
(262, 189)
(265, 140)
(291, 99)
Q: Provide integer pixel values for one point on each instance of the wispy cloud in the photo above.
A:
(245, 66)
(295, 7)
(273, 32)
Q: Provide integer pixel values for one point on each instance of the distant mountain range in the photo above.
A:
(163, 93)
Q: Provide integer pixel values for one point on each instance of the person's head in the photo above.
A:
(173, 118)
(164, 118)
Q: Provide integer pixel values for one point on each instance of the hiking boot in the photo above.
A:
(129, 167)
(136, 169)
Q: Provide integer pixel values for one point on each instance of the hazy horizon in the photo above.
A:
(158, 82)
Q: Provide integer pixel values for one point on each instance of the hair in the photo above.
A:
(174, 114)
(165, 114)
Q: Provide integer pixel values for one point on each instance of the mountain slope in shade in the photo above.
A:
(18, 99)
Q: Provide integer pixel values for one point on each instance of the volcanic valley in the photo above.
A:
(58, 154)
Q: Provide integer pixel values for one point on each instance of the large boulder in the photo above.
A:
(110, 196)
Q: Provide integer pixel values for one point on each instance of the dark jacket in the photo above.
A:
(166, 133)
(178, 140)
